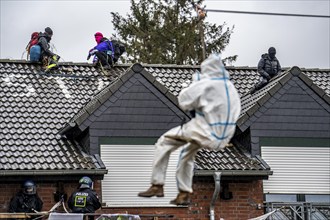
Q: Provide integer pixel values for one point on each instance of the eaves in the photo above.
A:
(5, 173)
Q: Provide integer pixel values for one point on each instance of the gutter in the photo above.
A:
(234, 172)
(217, 177)
(52, 172)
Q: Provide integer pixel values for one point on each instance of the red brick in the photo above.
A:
(237, 208)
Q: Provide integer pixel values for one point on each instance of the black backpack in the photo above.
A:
(119, 49)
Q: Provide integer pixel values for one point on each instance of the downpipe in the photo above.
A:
(217, 177)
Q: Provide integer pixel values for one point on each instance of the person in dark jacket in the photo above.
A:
(49, 59)
(268, 67)
(103, 52)
(85, 199)
(26, 200)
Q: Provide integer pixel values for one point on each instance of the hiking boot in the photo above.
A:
(253, 90)
(183, 198)
(154, 190)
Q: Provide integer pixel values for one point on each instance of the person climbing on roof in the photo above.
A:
(268, 67)
(216, 103)
(38, 49)
(103, 52)
(49, 59)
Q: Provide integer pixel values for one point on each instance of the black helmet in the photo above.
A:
(85, 182)
(49, 31)
(29, 188)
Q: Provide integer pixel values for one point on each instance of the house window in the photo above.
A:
(313, 198)
(129, 164)
(298, 206)
(281, 198)
(300, 186)
(297, 170)
(318, 198)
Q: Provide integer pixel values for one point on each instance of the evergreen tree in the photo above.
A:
(168, 32)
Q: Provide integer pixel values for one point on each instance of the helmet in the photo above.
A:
(29, 188)
(85, 182)
(49, 31)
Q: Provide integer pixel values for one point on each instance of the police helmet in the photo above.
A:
(29, 187)
(85, 182)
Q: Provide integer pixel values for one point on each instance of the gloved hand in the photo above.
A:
(91, 52)
(56, 57)
(267, 76)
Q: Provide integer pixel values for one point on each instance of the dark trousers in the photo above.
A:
(261, 83)
(105, 59)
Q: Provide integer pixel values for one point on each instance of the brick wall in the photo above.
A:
(237, 208)
(45, 191)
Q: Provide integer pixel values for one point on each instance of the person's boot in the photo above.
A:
(183, 198)
(53, 63)
(154, 190)
(253, 90)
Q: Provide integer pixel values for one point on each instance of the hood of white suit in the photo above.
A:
(212, 67)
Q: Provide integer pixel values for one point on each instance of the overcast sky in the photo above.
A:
(300, 41)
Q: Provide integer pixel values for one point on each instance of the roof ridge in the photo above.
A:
(146, 65)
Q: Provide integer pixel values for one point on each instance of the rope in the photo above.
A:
(58, 204)
(266, 13)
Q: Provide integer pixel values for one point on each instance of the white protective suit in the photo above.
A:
(217, 104)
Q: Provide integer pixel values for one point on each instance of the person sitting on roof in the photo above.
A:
(26, 200)
(268, 67)
(103, 52)
(216, 103)
(49, 59)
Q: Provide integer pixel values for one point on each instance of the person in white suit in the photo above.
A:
(216, 104)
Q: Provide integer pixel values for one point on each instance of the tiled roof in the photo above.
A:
(172, 76)
(244, 78)
(35, 107)
(320, 84)
(176, 77)
(230, 160)
(320, 77)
